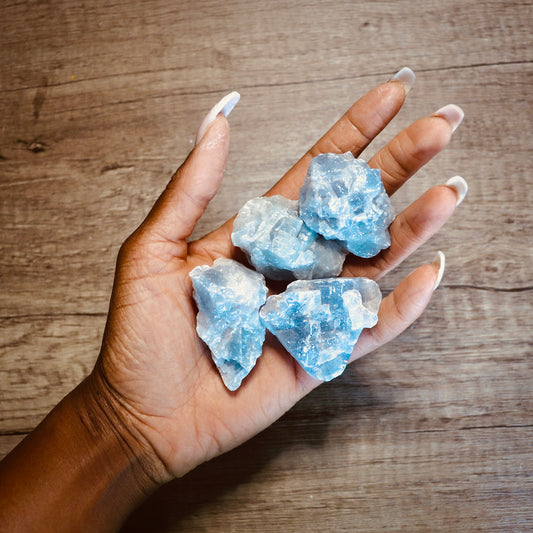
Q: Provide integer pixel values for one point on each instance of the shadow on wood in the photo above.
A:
(305, 427)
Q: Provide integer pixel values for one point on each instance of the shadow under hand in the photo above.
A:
(305, 425)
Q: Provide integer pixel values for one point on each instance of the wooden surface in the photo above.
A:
(100, 102)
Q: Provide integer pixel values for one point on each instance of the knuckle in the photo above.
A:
(132, 247)
(358, 128)
(422, 144)
(411, 231)
(399, 309)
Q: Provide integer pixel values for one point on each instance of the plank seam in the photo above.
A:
(385, 291)
(259, 85)
(488, 288)
(52, 315)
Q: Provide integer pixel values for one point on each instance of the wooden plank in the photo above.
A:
(436, 481)
(449, 376)
(201, 46)
(43, 358)
(71, 208)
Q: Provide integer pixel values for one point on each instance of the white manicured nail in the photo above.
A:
(452, 113)
(460, 186)
(406, 77)
(225, 106)
(440, 263)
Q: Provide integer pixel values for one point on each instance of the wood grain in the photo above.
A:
(101, 102)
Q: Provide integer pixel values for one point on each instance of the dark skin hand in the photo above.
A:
(154, 406)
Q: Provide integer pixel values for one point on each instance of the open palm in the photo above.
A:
(155, 370)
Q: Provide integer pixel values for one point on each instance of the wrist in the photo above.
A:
(110, 425)
(79, 470)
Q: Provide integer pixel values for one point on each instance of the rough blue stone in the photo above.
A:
(229, 296)
(319, 321)
(278, 243)
(343, 198)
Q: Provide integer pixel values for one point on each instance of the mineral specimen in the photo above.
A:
(229, 296)
(278, 243)
(319, 321)
(343, 198)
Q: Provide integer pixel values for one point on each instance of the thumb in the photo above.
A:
(196, 182)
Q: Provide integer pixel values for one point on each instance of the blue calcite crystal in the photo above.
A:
(319, 321)
(229, 296)
(278, 243)
(343, 198)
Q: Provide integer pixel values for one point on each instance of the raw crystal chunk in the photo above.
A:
(343, 198)
(229, 296)
(319, 321)
(278, 243)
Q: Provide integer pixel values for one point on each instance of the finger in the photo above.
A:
(356, 128)
(194, 184)
(352, 132)
(401, 307)
(415, 146)
(410, 229)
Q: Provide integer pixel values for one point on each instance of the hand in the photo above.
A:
(157, 375)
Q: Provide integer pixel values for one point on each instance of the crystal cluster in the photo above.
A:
(279, 244)
(229, 296)
(342, 198)
(319, 321)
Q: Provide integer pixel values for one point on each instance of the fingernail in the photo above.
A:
(452, 113)
(460, 186)
(440, 263)
(225, 106)
(406, 77)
